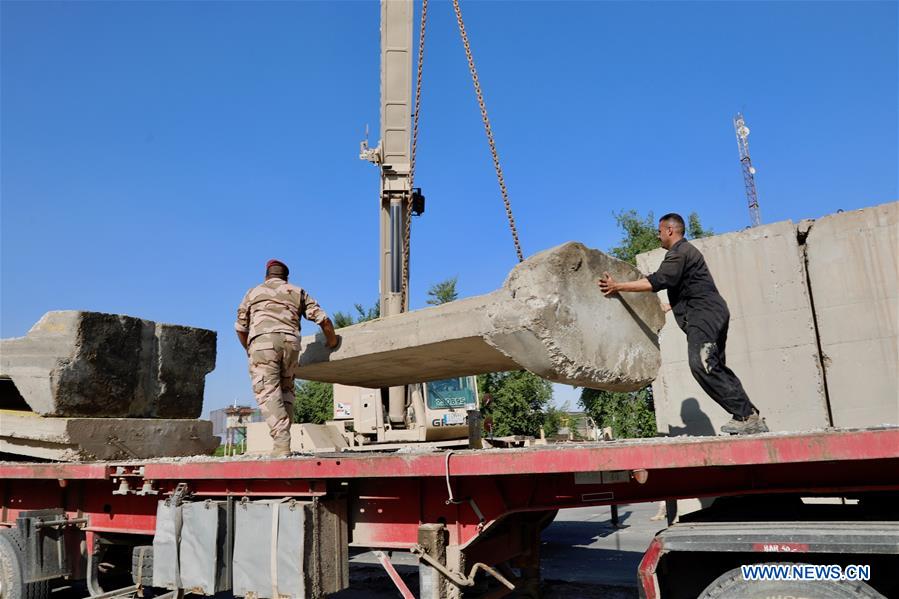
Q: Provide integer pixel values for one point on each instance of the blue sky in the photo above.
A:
(153, 155)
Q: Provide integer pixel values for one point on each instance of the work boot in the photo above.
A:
(751, 425)
(281, 447)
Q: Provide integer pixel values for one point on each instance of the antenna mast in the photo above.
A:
(752, 196)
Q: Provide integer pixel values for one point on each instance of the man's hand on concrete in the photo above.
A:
(334, 343)
(332, 339)
(607, 284)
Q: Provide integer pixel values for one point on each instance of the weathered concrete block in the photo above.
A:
(771, 343)
(853, 272)
(76, 439)
(259, 438)
(549, 317)
(107, 365)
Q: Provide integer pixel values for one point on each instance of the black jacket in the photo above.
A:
(692, 294)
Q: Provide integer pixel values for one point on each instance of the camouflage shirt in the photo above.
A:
(275, 307)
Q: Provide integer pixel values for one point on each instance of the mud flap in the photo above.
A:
(166, 571)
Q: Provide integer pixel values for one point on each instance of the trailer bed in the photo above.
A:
(489, 504)
(654, 453)
(400, 490)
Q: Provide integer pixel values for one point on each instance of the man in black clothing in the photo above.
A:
(702, 314)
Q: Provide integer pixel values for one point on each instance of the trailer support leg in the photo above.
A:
(94, 554)
(432, 538)
(528, 563)
(455, 562)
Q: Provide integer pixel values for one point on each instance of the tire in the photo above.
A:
(146, 578)
(731, 584)
(12, 569)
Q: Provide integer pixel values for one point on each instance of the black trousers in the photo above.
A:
(705, 351)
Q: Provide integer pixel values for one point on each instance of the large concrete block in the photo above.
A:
(853, 271)
(548, 317)
(76, 439)
(771, 343)
(303, 437)
(106, 365)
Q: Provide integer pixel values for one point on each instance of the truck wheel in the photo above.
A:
(12, 570)
(146, 578)
(731, 584)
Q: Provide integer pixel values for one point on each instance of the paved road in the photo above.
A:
(581, 545)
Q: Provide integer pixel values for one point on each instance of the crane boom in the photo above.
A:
(395, 144)
(393, 155)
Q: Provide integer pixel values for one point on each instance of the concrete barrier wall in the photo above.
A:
(854, 278)
(771, 343)
(849, 262)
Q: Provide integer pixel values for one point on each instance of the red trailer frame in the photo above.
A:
(485, 498)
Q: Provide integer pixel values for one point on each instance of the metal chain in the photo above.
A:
(488, 129)
(407, 232)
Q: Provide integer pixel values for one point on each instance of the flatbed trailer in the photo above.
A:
(471, 515)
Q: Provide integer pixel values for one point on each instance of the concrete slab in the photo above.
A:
(77, 439)
(89, 364)
(853, 271)
(259, 438)
(771, 345)
(548, 317)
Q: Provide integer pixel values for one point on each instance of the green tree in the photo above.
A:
(630, 414)
(363, 314)
(518, 400)
(443, 292)
(554, 418)
(341, 319)
(641, 234)
(314, 401)
(345, 319)
(695, 230)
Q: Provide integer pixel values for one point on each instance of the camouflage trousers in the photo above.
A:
(274, 358)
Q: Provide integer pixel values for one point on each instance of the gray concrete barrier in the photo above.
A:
(854, 280)
(813, 332)
(88, 364)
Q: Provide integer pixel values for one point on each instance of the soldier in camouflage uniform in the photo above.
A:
(268, 327)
